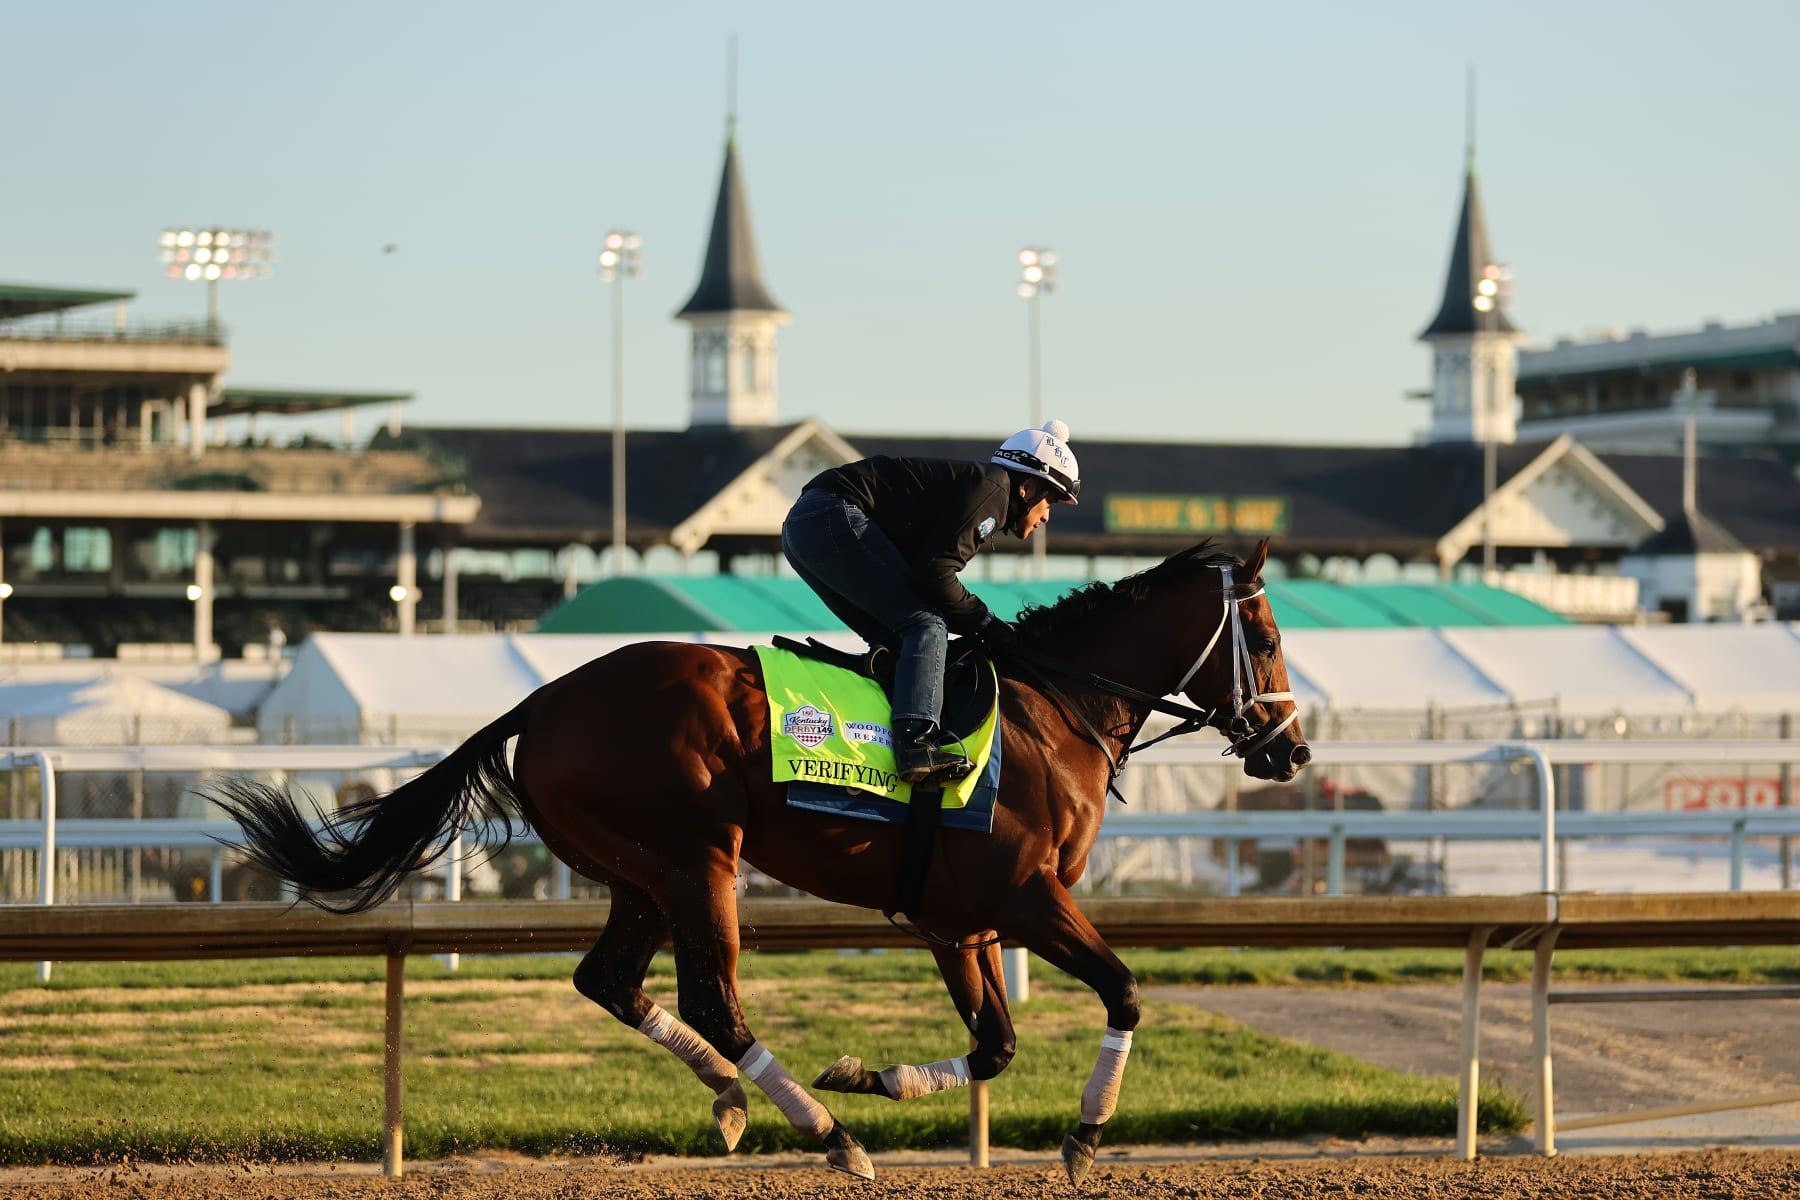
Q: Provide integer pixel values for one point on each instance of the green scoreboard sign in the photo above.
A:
(1259, 515)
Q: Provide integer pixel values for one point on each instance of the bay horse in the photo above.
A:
(649, 769)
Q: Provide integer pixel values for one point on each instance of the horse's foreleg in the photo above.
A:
(1049, 924)
(702, 910)
(612, 976)
(977, 987)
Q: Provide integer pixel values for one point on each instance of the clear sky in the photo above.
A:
(1252, 204)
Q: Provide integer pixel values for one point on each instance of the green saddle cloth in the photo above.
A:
(832, 726)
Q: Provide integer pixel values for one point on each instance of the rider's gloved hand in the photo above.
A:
(997, 635)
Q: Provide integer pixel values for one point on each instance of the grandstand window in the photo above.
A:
(173, 551)
(87, 549)
(43, 550)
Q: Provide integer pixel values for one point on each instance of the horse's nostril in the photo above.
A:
(1300, 757)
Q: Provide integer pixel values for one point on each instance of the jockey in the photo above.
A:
(882, 540)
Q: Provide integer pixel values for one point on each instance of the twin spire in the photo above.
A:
(731, 275)
(732, 367)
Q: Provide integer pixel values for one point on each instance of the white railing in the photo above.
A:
(1587, 595)
(1545, 825)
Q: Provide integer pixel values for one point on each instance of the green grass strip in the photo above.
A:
(282, 1060)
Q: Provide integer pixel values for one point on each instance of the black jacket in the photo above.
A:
(938, 512)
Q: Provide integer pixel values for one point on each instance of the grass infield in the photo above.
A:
(281, 1059)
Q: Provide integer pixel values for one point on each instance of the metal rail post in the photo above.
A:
(46, 848)
(1540, 1039)
(392, 1141)
(1547, 800)
(978, 1119)
(1468, 1099)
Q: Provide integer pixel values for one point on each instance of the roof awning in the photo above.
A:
(25, 300)
(292, 402)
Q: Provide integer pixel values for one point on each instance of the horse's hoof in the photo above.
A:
(731, 1110)
(842, 1075)
(1078, 1158)
(850, 1158)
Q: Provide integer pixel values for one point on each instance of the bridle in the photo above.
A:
(1244, 739)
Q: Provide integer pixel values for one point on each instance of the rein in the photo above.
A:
(1244, 740)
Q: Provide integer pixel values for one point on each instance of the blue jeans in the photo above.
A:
(861, 576)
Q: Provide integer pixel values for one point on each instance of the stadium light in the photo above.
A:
(210, 255)
(621, 257)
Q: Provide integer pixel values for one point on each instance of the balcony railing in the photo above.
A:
(130, 467)
(192, 333)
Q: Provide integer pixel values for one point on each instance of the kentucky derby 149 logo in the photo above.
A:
(807, 725)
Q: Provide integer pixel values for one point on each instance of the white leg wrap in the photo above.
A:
(1101, 1095)
(679, 1038)
(795, 1102)
(903, 1082)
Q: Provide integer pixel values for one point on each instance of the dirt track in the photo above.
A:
(1714, 1176)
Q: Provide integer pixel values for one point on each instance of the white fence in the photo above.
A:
(41, 837)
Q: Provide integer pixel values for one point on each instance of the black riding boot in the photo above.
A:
(920, 759)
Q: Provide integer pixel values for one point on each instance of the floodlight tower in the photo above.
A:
(622, 257)
(214, 254)
(1037, 278)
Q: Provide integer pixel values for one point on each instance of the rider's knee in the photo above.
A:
(924, 621)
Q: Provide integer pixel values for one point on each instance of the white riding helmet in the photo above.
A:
(1045, 453)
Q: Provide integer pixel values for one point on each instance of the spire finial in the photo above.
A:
(731, 86)
(1469, 103)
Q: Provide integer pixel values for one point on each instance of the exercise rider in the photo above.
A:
(882, 540)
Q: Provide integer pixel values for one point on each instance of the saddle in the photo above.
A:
(969, 687)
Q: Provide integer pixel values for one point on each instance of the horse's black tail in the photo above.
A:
(366, 848)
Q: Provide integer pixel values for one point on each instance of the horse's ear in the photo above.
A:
(1253, 567)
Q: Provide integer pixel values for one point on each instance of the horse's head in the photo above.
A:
(1240, 677)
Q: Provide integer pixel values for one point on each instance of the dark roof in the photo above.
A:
(1469, 254)
(288, 401)
(1360, 499)
(1755, 500)
(25, 299)
(1690, 533)
(554, 486)
(731, 277)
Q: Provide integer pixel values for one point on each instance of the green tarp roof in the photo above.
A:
(234, 401)
(26, 299)
(751, 604)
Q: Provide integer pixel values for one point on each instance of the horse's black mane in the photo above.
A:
(1038, 621)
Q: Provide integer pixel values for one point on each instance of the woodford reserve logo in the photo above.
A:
(808, 726)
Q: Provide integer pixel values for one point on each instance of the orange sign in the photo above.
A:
(1720, 795)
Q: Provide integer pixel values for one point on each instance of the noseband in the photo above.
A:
(1245, 740)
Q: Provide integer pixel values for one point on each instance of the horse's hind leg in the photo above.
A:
(977, 987)
(702, 908)
(612, 976)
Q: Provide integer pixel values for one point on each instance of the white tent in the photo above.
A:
(382, 688)
(1750, 668)
(1389, 669)
(105, 710)
(1584, 670)
(366, 687)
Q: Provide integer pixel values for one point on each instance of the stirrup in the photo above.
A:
(931, 765)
